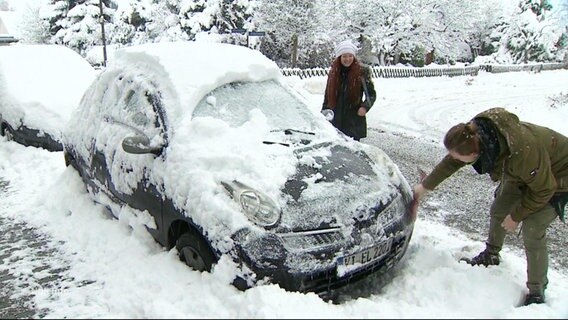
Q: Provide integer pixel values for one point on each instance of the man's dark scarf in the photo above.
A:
(488, 145)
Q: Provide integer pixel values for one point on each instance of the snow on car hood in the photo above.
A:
(207, 152)
(332, 184)
(214, 152)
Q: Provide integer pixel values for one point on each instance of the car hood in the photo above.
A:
(335, 185)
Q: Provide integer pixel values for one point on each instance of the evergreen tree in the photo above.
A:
(291, 30)
(54, 12)
(303, 33)
(33, 29)
(143, 21)
(235, 15)
(530, 36)
(538, 7)
(76, 23)
(131, 21)
(216, 17)
(198, 15)
(164, 24)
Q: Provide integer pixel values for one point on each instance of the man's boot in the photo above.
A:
(536, 298)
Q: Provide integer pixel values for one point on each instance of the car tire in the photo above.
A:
(195, 252)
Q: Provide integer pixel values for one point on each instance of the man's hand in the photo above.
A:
(509, 224)
(422, 175)
(362, 111)
(418, 192)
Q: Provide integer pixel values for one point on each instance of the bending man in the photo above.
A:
(531, 164)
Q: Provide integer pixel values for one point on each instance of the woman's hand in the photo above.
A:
(362, 111)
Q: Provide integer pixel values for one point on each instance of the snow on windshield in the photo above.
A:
(232, 103)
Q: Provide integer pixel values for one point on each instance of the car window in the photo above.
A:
(134, 109)
(136, 115)
(233, 102)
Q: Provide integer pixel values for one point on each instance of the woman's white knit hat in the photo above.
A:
(344, 47)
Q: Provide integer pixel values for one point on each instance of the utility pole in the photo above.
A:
(102, 21)
(294, 49)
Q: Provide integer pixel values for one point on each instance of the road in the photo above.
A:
(23, 253)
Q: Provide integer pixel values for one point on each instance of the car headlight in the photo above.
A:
(257, 206)
(393, 212)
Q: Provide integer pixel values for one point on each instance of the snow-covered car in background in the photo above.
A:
(217, 156)
(40, 85)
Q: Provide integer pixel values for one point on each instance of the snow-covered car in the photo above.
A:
(217, 156)
(40, 85)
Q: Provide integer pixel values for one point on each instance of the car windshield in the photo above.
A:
(233, 103)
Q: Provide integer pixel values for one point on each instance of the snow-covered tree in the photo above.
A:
(491, 17)
(235, 15)
(76, 23)
(303, 33)
(4, 5)
(140, 21)
(33, 29)
(563, 12)
(55, 12)
(131, 21)
(291, 33)
(529, 35)
(404, 28)
(198, 15)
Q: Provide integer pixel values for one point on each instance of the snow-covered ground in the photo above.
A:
(105, 269)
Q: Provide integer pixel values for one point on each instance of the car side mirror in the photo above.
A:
(139, 144)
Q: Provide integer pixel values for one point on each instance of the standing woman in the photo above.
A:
(348, 82)
(531, 164)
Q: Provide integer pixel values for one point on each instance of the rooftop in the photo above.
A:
(6, 39)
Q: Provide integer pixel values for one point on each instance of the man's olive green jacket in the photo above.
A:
(532, 156)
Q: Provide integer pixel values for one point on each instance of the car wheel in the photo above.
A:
(195, 251)
(7, 132)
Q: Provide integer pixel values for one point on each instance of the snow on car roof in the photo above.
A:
(37, 77)
(196, 68)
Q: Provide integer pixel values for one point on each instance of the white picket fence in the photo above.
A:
(405, 72)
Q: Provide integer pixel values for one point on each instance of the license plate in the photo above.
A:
(369, 255)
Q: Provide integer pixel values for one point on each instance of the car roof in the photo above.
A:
(195, 68)
(51, 75)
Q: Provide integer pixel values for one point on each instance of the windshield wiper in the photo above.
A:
(272, 142)
(290, 131)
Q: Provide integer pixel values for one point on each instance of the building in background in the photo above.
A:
(7, 27)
